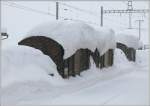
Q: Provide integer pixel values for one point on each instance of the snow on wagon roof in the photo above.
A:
(129, 40)
(76, 35)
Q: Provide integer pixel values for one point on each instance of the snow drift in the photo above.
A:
(76, 35)
(20, 64)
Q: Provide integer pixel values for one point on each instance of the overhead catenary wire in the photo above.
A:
(79, 9)
(91, 13)
(47, 13)
(12, 4)
(39, 11)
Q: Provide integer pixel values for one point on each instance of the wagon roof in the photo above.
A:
(129, 40)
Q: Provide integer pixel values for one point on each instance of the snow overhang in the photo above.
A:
(76, 35)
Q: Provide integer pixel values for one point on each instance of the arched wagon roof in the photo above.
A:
(48, 46)
(76, 35)
(130, 41)
(128, 44)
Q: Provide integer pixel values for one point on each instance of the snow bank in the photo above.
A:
(129, 40)
(75, 35)
(20, 64)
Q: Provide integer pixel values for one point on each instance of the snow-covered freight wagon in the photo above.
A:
(104, 60)
(77, 63)
(128, 44)
(49, 47)
(71, 44)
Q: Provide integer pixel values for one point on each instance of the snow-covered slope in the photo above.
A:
(75, 35)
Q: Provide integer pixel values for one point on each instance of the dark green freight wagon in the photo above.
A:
(73, 65)
(128, 51)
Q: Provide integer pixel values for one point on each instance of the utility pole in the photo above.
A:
(57, 10)
(101, 24)
(140, 28)
(130, 8)
(129, 11)
(130, 20)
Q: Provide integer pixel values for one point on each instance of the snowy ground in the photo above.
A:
(23, 83)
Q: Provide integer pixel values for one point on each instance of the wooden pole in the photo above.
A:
(140, 28)
(101, 24)
(57, 10)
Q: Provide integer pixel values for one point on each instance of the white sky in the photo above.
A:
(19, 21)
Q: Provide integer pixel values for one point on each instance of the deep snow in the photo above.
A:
(124, 83)
(21, 63)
